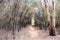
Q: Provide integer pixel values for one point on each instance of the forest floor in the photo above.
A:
(28, 33)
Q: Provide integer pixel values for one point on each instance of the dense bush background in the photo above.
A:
(16, 14)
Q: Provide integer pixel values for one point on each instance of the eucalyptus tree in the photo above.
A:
(47, 14)
(51, 19)
(53, 29)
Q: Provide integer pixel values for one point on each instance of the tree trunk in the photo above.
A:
(47, 12)
(53, 29)
(32, 20)
(51, 20)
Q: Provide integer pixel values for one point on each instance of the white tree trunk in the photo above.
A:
(51, 20)
(53, 17)
(47, 11)
(32, 20)
(53, 14)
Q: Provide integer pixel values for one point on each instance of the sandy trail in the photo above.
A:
(28, 33)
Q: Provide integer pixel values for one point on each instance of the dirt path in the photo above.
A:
(28, 33)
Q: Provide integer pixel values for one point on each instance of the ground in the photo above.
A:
(28, 33)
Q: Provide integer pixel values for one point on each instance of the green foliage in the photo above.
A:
(21, 15)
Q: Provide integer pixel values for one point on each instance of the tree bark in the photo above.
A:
(53, 29)
(32, 20)
(51, 20)
(47, 12)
